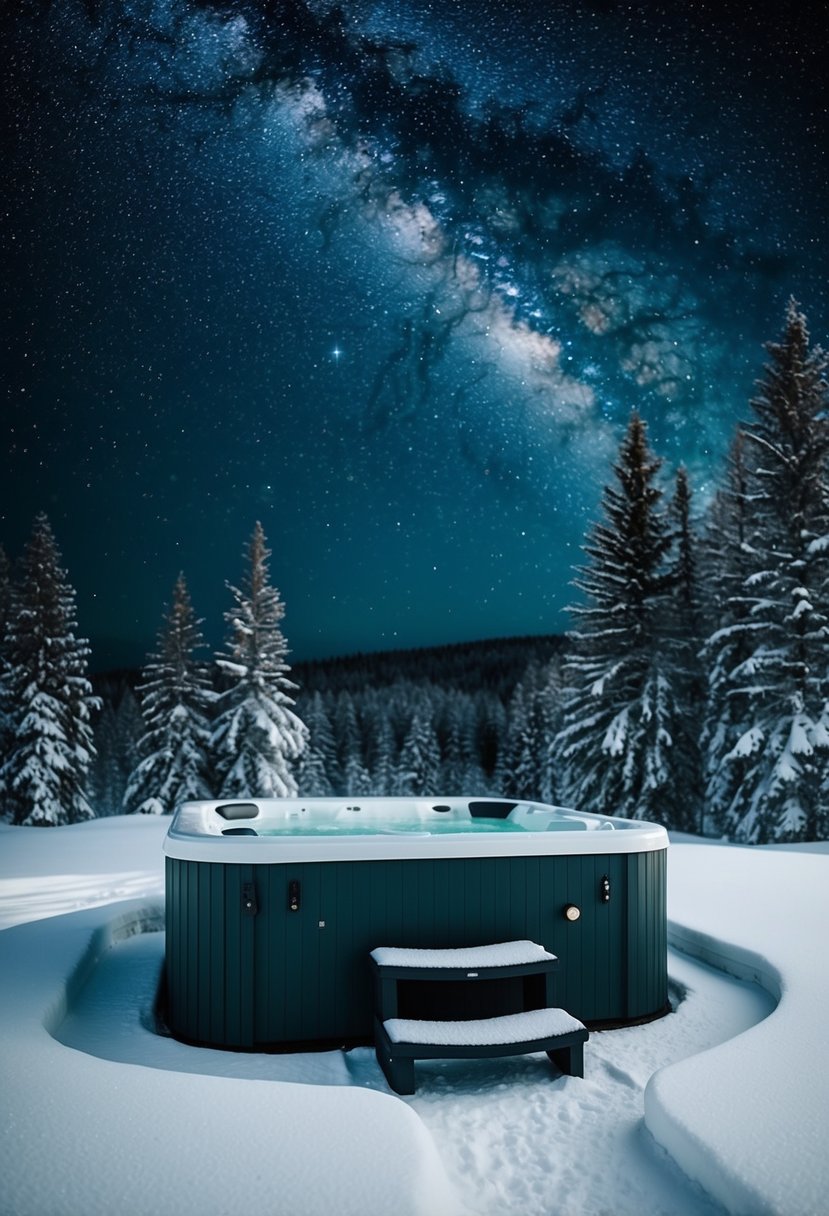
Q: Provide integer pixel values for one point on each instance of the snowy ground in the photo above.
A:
(98, 1114)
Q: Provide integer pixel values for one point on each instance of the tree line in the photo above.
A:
(692, 689)
(413, 729)
(696, 684)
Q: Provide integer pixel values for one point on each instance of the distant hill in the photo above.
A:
(494, 665)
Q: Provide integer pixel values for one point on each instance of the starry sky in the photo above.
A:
(389, 277)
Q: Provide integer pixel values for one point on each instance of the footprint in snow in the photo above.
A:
(619, 1074)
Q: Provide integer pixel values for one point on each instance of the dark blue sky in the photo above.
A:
(390, 279)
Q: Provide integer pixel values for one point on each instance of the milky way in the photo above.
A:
(389, 278)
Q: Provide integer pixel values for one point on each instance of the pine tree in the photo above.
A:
(620, 709)
(118, 733)
(176, 700)
(318, 759)
(46, 692)
(107, 782)
(534, 773)
(510, 745)
(129, 727)
(779, 687)
(349, 743)
(549, 710)
(382, 759)
(5, 597)
(490, 733)
(458, 748)
(518, 774)
(356, 778)
(256, 735)
(5, 614)
(683, 636)
(726, 563)
(419, 765)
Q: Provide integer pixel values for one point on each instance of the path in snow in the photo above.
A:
(512, 1137)
(112, 1018)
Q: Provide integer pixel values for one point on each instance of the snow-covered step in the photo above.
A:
(537, 1027)
(498, 954)
(467, 964)
(401, 1041)
(484, 1032)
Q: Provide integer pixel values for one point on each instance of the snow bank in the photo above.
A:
(748, 1119)
(85, 1134)
(49, 871)
(103, 1132)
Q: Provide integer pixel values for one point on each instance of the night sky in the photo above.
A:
(388, 278)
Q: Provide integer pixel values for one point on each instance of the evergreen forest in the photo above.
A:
(692, 688)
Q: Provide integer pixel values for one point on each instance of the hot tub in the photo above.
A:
(273, 907)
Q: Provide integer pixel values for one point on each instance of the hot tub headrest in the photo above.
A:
(491, 809)
(238, 810)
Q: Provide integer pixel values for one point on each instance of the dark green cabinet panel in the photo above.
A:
(282, 976)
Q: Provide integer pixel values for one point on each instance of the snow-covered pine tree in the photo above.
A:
(176, 699)
(348, 738)
(355, 776)
(518, 711)
(526, 762)
(118, 733)
(382, 756)
(726, 561)
(256, 735)
(5, 597)
(683, 636)
(46, 692)
(620, 709)
(490, 733)
(357, 781)
(419, 764)
(129, 728)
(780, 688)
(549, 698)
(5, 607)
(536, 761)
(107, 781)
(458, 732)
(319, 757)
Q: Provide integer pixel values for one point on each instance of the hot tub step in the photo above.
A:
(524, 960)
(509, 1028)
(401, 1041)
(498, 954)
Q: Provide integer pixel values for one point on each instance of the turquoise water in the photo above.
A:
(354, 826)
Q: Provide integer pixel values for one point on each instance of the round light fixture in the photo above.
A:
(571, 912)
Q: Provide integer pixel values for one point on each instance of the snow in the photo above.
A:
(49, 871)
(499, 954)
(748, 1119)
(99, 1114)
(83, 1134)
(483, 1032)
